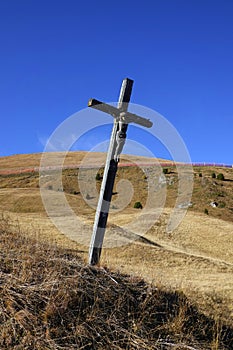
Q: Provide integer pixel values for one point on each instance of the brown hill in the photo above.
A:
(51, 300)
(196, 258)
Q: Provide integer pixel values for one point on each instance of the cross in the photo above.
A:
(121, 120)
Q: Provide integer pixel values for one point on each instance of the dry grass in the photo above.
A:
(206, 189)
(196, 260)
(19, 161)
(51, 300)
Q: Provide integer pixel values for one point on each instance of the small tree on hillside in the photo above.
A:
(220, 177)
(138, 205)
(98, 177)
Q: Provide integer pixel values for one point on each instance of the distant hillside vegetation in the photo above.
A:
(209, 186)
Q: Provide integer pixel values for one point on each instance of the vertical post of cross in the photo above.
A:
(115, 147)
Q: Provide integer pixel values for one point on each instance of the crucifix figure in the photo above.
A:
(121, 120)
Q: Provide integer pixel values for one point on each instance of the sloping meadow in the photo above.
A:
(50, 299)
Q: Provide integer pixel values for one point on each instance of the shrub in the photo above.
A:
(138, 205)
(213, 176)
(220, 177)
(222, 205)
(200, 174)
(206, 211)
(165, 170)
(98, 177)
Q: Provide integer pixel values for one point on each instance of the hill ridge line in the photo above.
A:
(22, 170)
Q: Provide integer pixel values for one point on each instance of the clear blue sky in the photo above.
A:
(55, 55)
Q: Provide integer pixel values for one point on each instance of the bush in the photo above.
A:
(200, 174)
(206, 211)
(165, 170)
(98, 177)
(222, 205)
(138, 205)
(220, 177)
(213, 176)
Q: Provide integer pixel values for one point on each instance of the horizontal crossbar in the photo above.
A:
(117, 113)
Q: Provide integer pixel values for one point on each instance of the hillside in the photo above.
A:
(21, 171)
(196, 259)
(51, 300)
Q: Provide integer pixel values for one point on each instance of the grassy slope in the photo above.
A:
(49, 299)
(206, 189)
(196, 259)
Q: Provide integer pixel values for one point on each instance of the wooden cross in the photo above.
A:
(121, 120)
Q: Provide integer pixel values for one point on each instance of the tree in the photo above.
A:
(220, 177)
(98, 177)
(138, 205)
